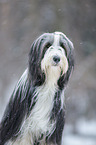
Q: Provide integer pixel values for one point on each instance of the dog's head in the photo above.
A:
(51, 59)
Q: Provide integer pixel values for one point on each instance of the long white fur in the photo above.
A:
(38, 121)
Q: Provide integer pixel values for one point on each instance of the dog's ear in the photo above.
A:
(38, 49)
(35, 74)
(69, 50)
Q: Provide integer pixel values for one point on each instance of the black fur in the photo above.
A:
(56, 137)
(58, 114)
(20, 104)
(24, 96)
(70, 57)
(36, 54)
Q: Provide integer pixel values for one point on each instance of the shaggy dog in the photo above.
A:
(35, 114)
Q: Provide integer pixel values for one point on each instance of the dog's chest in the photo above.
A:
(39, 121)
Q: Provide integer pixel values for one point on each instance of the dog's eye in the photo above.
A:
(63, 46)
(59, 49)
(45, 48)
(51, 48)
(48, 45)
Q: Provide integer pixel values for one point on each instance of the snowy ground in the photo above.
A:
(84, 133)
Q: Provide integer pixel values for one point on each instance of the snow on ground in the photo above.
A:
(83, 133)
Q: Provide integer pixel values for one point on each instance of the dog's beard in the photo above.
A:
(54, 70)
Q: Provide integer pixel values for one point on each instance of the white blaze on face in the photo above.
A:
(53, 69)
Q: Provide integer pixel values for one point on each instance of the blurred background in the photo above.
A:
(21, 22)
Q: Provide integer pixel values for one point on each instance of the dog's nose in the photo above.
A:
(56, 59)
